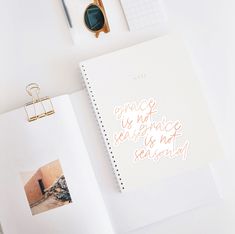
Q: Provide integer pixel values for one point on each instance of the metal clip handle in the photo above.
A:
(37, 102)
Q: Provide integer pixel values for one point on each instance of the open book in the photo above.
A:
(56, 177)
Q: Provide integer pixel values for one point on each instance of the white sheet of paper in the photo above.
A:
(27, 146)
(142, 14)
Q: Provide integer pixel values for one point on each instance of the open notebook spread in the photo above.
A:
(54, 172)
(49, 185)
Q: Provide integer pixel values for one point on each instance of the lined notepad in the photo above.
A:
(142, 14)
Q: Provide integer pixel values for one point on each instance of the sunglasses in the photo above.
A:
(95, 18)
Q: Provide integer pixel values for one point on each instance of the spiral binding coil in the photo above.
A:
(102, 128)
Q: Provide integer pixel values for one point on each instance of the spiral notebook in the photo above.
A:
(151, 111)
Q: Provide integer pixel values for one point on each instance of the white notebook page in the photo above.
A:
(28, 146)
(138, 208)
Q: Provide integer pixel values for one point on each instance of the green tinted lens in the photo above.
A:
(94, 18)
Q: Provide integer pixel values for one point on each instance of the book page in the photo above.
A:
(47, 183)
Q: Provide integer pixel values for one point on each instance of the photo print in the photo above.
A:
(46, 188)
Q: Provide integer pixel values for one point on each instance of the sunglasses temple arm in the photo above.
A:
(97, 34)
(106, 29)
(99, 3)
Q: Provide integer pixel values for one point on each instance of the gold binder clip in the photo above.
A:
(38, 107)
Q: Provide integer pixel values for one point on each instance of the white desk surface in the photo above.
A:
(36, 47)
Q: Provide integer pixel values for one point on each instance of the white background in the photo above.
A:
(36, 46)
